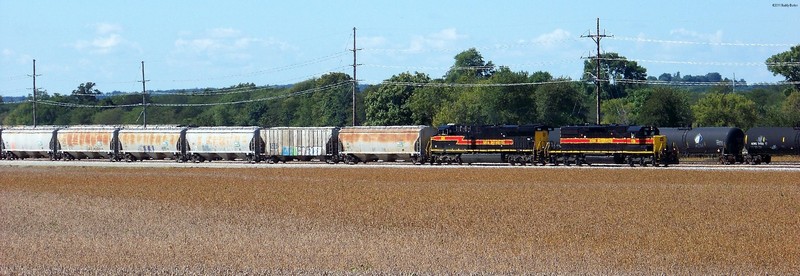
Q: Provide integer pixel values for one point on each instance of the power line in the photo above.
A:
(639, 39)
(439, 84)
(298, 93)
(694, 83)
(791, 63)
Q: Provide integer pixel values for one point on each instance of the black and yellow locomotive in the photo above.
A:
(641, 145)
(514, 144)
(528, 144)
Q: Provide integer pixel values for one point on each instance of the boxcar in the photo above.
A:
(386, 143)
(512, 144)
(726, 143)
(224, 143)
(301, 143)
(29, 142)
(85, 142)
(764, 142)
(155, 142)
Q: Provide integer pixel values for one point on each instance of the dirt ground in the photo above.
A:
(398, 220)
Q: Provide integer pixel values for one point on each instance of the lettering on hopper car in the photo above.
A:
(463, 141)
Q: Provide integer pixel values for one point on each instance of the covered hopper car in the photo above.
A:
(385, 143)
(301, 143)
(223, 143)
(155, 142)
(29, 142)
(85, 142)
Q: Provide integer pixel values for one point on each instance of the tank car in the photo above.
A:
(725, 143)
(135, 143)
(764, 142)
(624, 144)
(223, 143)
(386, 143)
(85, 142)
(301, 143)
(29, 142)
(512, 144)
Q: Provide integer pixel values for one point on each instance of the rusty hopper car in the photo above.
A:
(85, 142)
(625, 144)
(386, 143)
(764, 142)
(489, 144)
(154, 142)
(29, 142)
(301, 143)
(224, 143)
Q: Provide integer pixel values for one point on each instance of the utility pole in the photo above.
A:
(34, 92)
(355, 80)
(144, 99)
(596, 38)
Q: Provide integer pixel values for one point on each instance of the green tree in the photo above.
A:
(389, 103)
(510, 104)
(86, 93)
(469, 67)
(468, 108)
(665, 107)
(791, 109)
(332, 104)
(560, 104)
(785, 64)
(618, 111)
(719, 109)
(426, 103)
(617, 72)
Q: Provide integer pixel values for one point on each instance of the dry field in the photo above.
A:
(397, 220)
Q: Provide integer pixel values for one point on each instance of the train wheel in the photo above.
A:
(630, 161)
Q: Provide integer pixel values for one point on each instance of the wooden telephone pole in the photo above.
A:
(355, 80)
(596, 38)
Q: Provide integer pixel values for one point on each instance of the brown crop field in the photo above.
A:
(344, 220)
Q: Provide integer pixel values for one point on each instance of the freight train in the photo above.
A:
(513, 144)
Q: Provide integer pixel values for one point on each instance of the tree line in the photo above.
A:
(473, 91)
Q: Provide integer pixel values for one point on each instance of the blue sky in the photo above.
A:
(188, 44)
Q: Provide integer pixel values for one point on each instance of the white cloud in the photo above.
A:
(107, 39)
(715, 37)
(224, 32)
(107, 28)
(553, 38)
(227, 43)
(435, 41)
